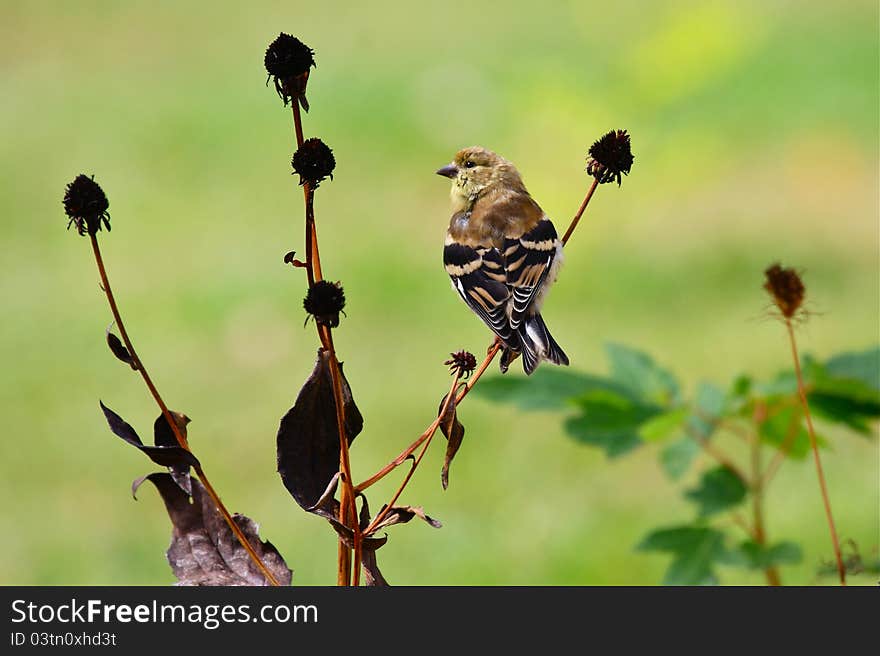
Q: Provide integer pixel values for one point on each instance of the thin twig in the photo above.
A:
(181, 440)
(718, 454)
(577, 217)
(841, 569)
(429, 431)
(449, 399)
(757, 490)
(740, 521)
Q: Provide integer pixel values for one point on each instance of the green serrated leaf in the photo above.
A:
(696, 550)
(678, 456)
(863, 366)
(609, 420)
(719, 489)
(738, 395)
(757, 556)
(638, 372)
(549, 388)
(741, 386)
(679, 539)
(690, 571)
(709, 404)
(662, 426)
(785, 430)
(845, 410)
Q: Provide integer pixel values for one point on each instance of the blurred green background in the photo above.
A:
(755, 131)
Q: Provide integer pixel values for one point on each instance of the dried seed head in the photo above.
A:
(324, 301)
(313, 161)
(288, 61)
(86, 205)
(786, 288)
(461, 363)
(610, 157)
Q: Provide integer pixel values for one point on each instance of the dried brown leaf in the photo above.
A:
(402, 514)
(308, 436)
(453, 430)
(204, 551)
(165, 455)
(119, 350)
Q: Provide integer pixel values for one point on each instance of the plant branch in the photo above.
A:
(347, 499)
(757, 490)
(841, 569)
(577, 216)
(181, 440)
(427, 441)
(718, 454)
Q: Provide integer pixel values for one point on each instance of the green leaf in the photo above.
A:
(678, 456)
(708, 407)
(661, 426)
(549, 388)
(863, 366)
(785, 429)
(609, 420)
(741, 386)
(853, 412)
(738, 395)
(757, 556)
(696, 550)
(719, 489)
(638, 372)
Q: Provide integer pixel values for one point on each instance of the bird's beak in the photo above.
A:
(449, 171)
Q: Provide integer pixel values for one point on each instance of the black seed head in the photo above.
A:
(288, 61)
(610, 157)
(462, 363)
(313, 161)
(86, 205)
(324, 301)
(786, 288)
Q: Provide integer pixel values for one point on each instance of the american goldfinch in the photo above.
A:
(502, 254)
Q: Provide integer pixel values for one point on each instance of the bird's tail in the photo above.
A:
(537, 345)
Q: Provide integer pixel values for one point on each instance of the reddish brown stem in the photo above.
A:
(347, 499)
(757, 489)
(577, 217)
(841, 569)
(449, 399)
(348, 508)
(181, 440)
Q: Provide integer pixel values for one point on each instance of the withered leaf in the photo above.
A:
(119, 350)
(167, 456)
(402, 514)
(454, 431)
(372, 575)
(163, 435)
(308, 437)
(204, 551)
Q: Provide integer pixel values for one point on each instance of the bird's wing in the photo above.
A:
(478, 276)
(527, 261)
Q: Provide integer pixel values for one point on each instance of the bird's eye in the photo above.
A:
(469, 164)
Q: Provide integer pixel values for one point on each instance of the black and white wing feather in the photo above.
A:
(479, 277)
(528, 260)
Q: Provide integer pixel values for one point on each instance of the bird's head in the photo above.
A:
(476, 170)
